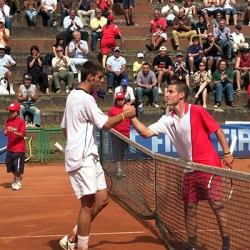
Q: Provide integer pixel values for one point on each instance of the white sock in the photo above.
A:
(82, 243)
(11, 86)
(75, 230)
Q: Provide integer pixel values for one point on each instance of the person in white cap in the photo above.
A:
(6, 63)
(163, 67)
(127, 90)
(137, 65)
(15, 129)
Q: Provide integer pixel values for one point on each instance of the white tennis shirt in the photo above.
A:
(81, 118)
(190, 134)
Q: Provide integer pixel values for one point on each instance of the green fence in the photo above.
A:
(42, 146)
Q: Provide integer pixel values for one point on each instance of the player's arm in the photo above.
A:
(144, 131)
(228, 158)
(129, 112)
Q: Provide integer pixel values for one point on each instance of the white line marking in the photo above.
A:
(59, 235)
(32, 196)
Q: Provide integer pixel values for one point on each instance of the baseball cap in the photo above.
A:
(238, 27)
(120, 95)
(117, 49)
(179, 54)
(140, 55)
(2, 46)
(111, 17)
(124, 81)
(162, 48)
(2, 20)
(27, 76)
(15, 106)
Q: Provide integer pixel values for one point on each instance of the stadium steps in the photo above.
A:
(23, 37)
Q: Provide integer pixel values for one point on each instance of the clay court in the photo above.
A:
(36, 217)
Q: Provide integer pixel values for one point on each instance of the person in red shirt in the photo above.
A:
(15, 129)
(109, 32)
(104, 5)
(158, 28)
(119, 145)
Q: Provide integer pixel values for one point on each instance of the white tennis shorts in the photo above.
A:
(89, 178)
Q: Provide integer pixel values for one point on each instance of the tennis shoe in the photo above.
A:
(120, 174)
(17, 186)
(65, 244)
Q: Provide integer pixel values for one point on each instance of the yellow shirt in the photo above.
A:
(137, 66)
(94, 23)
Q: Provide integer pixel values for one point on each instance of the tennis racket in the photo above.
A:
(220, 189)
(107, 176)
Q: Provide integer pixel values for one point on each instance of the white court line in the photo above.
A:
(32, 196)
(210, 230)
(59, 235)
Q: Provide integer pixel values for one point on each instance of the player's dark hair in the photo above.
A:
(90, 67)
(181, 87)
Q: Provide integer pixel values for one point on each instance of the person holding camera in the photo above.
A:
(223, 83)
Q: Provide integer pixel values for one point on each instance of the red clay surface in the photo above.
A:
(36, 217)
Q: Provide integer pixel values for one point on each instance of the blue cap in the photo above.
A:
(124, 82)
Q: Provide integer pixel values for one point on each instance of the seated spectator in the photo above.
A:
(211, 51)
(116, 68)
(127, 90)
(216, 20)
(6, 63)
(96, 25)
(27, 96)
(238, 40)
(5, 13)
(66, 6)
(60, 42)
(109, 32)
(85, 12)
(61, 64)
(147, 85)
(170, 11)
(14, 6)
(223, 83)
(211, 7)
(248, 12)
(137, 65)
(229, 8)
(190, 11)
(105, 6)
(35, 69)
(201, 29)
(222, 36)
(158, 29)
(202, 80)
(242, 68)
(71, 23)
(163, 67)
(182, 28)
(128, 7)
(195, 55)
(48, 11)
(78, 51)
(181, 70)
(31, 12)
(4, 36)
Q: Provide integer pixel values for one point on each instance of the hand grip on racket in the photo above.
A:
(220, 189)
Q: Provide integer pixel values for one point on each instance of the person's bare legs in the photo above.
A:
(227, 19)
(191, 221)
(104, 59)
(127, 16)
(159, 78)
(191, 64)
(235, 19)
(204, 98)
(187, 80)
(101, 201)
(201, 88)
(131, 14)
(238, 79)
(206, 17)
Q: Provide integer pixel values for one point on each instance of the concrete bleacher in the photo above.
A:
(24, 36)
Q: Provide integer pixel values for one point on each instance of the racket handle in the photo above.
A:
(60, 147)
(233, 143)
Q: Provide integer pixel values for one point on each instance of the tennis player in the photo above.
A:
(15, 129)
(81, 118)
(189, 128)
